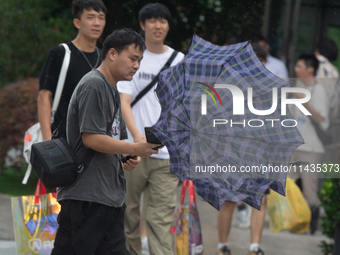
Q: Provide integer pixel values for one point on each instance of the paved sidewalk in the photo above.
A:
(7, 244)
(7, 248)
(283, 243)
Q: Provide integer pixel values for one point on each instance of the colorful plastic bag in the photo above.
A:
(187, 229)
(288, 213)
(35, 222)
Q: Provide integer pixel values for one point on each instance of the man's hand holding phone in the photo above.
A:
(130, 162)
(151, 138)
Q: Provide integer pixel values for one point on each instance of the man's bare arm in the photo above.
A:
(128, 117)
(44, 113)
(106, 144)
(316, 116)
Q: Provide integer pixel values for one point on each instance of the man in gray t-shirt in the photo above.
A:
(91, 110)
(92, 209)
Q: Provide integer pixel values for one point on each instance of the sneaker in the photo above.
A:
(223, 251)
(243, 217)
(256, 251)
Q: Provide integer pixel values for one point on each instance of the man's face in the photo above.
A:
(126, 63)
(302, 71)
(156, 30)
(91, 23)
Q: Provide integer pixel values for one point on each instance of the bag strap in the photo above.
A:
(61, 80)
(192, 197)
(57, 96)
(39, 190)
(88, 156)
(155, 79)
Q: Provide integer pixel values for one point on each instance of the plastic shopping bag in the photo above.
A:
(32, 135)
(187, 230)
(35, 222)
(288, 213)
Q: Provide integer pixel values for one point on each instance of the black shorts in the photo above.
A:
(90, 228)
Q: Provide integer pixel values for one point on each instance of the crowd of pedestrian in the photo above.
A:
(109, 97)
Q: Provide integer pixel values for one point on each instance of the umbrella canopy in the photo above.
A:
(230, 151)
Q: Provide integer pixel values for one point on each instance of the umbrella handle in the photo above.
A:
(192, 197)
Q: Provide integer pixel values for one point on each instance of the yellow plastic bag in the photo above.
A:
(35, 222)
(288, 213)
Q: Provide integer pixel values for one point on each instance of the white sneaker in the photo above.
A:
(243, 217)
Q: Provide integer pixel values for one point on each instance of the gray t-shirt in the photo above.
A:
(92, 109)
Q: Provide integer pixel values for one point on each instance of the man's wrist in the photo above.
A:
(136, 135)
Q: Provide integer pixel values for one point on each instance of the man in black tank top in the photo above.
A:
(89, 19)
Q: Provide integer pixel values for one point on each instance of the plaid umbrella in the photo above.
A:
(228, 154)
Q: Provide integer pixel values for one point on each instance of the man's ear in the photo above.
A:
(76, 23)
(112, 53)
(142, 26)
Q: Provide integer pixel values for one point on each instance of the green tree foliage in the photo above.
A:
(214, 20)
(329, 197)
(28, 29)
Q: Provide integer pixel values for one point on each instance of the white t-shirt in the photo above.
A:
(147, 110)
(277, 67)
(326, 69)
(319, 101)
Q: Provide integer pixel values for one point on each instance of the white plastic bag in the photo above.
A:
(32, 135)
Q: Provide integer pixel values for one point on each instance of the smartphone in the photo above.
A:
(151, 138)
(125, 159)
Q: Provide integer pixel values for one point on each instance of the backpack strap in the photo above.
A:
(155, 79)
(59, 90)
(61, 80)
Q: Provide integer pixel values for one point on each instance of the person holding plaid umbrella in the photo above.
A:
(214, 156)
(257, 216)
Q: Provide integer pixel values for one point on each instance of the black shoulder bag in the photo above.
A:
(55, 163)
(153, 82)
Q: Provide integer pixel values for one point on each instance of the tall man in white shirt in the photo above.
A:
(328, 75)
(313, 149)
(153, 175)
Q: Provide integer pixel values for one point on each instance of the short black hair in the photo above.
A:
(154, 10)
(310, 60)
(259, 37)
(121, 40)
(234, 39)
(259, 51)
(328, 48)
(78, 7)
